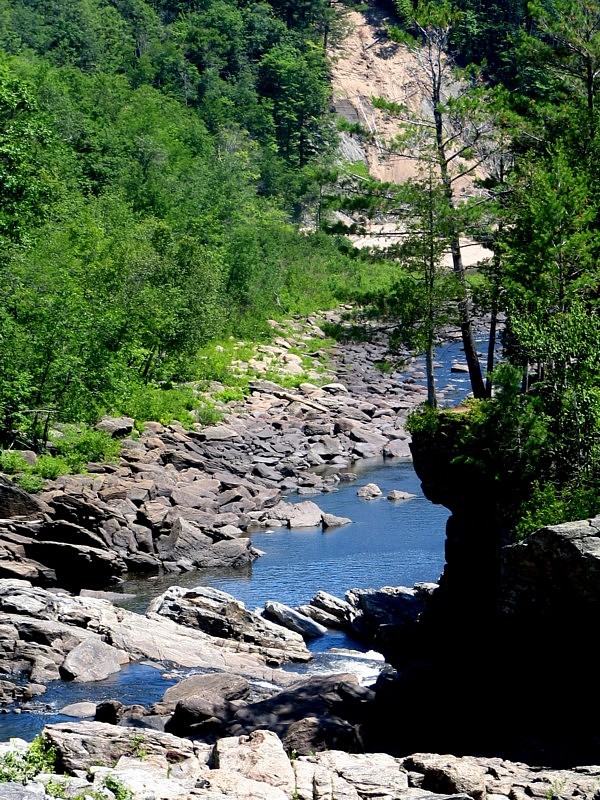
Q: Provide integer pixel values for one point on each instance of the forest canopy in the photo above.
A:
(165, 174)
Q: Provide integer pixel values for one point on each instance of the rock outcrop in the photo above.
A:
(150, 764)
(480, 636)
(220, 615)
(51, 635)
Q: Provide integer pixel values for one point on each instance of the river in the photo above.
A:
(387, 544)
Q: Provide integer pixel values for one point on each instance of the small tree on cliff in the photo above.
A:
(451, 134)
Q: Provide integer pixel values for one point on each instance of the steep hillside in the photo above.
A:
(368, 64)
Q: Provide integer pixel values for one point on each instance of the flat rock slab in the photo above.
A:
(92, 660)
(220, 615)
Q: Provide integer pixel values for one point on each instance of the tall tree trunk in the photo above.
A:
(430, 268)
(464, 305)
(496, 276)
(431, 393)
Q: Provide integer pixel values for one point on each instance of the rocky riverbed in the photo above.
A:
(239, 726)
(186, 499)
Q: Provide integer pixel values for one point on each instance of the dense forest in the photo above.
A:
(159, 161)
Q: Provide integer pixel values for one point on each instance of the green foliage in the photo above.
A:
(50, 467)
(30, 483)
(423, 421)
(136, 747)
(11, 462)
(551, 506)
(230, 395)
(77, 445)
(119, 791)
(145, 164)
(147, 403)
(21, 767)
(73, 446)
(208, 414)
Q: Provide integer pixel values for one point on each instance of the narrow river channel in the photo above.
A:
(387, 544)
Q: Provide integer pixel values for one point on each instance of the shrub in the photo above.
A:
(208, 414)
(20, 767)
(50, 467)
(78, 445)
(152, 403)
(12, 462)
(29, 482)
(550, 506)
(230, 394)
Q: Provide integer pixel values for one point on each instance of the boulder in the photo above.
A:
(341, 610)
(329, 698)
(215, 687)
(333, 521)
(369, 492)
(314, 734)
(116, 426)
(14, 502)
(77, 566)
(383, 614)
(79, 744)
(397, 448)
(92, 660)
(360, 775)
(81, 710)
(318, 615)
(189, 545)
(552, 577)
(396, 495)
(220, 614)
(259, 757)
(217, 433)
(293, 620)
(305, 515)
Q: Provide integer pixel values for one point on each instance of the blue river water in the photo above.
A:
(387, 544)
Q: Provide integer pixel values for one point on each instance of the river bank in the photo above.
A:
(180, 501)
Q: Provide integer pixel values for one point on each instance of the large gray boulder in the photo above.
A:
(211, 686)
(380, 615)
(80, 744)
(553, 576)
(220, 615)
(338, 701)
(92, 660)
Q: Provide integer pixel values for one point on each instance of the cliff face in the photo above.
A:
(500, 661)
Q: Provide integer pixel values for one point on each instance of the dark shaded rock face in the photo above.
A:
(14, 502)
(508, 630)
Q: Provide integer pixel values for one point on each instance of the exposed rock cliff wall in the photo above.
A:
(500, 660)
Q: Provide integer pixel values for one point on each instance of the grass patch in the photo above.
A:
(17, 767)
(71, 448)
(154, 404)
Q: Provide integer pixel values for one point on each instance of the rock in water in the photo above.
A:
(294, 620)
(369, 492)
(92, 660)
